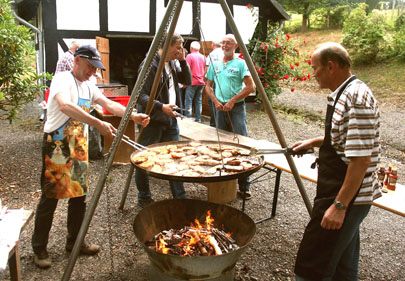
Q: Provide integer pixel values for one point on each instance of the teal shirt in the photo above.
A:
(228, 79)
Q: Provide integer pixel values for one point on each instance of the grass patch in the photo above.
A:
(298, 115)
(386, 79)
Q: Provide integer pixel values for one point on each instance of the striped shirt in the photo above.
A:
(355, 132)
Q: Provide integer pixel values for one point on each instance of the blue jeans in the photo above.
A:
(235, 122)
(345, 260)
(155, 134)
(191, 92)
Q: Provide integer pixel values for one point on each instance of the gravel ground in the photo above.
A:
(271, 254)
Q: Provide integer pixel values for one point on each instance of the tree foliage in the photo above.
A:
(18, 78)
(363, 35)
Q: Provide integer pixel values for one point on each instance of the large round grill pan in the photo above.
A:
(217, 177)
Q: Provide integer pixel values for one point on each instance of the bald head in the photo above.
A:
(335, 52)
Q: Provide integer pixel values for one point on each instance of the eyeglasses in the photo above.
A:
(228, 43)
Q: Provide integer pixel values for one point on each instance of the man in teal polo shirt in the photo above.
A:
(233, 84)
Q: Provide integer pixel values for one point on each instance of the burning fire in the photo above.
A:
(196, 239)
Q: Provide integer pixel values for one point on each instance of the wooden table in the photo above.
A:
(393, 201)
(14, 255)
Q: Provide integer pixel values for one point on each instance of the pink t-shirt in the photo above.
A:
(196, 61)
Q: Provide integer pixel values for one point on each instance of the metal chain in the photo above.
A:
(235, 137)
(109, 225)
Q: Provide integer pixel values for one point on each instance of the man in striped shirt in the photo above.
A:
(347, 184)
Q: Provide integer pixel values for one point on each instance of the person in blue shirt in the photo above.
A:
(233, 84)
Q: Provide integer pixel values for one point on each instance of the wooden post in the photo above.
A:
(221, 192)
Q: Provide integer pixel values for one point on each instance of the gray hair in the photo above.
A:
(74, 44)
(335, 52)
(195, 45)
(175, 38)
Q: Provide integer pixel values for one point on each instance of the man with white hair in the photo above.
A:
(65, 63)
(196, 61)
(234, 83)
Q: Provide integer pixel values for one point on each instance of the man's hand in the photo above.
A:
(168, 110)
(181, 55)
(106, 129)
(141, 119)
(229, 105)
(333, 218)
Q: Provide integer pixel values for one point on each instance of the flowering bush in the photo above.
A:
(277, 62)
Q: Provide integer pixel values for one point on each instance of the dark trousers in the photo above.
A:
(44, 217)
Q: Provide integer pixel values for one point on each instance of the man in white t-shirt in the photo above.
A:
(65, 149)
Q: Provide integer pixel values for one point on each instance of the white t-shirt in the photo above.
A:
(64, 84)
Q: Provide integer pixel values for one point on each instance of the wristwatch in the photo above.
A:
(339, 205)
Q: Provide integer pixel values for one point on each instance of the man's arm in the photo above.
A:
(119, 110)
(75, 112)
(356, 170)
(249, 88)
(184, 73)
(210, 94)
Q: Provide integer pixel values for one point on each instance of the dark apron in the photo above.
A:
(318, 244)
(65, 157)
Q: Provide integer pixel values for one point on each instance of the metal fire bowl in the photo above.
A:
(177, 213)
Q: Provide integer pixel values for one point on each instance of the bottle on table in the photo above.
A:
(392, 179)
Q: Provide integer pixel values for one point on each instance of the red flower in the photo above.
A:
(275, 76)
(261, 45)
(248, 5)
(305, 42)
(309, 76)
(276, 62)
(297, 64)
(287, 36)
(255, 104)
(265, 47)
(309, 62)
(265, 84)
(276, 45)
(255, 66)
(293, 89)
(286, 76)
(291, 66)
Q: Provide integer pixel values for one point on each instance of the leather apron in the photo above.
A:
(65, 157)
(318, 244)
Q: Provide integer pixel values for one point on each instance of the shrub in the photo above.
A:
(363, 35)
(18, 77)
(399, 43)
(276, 62)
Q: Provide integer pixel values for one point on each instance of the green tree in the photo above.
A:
(18, 78)
(363, 35)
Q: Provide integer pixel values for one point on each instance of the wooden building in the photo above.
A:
(125, 28)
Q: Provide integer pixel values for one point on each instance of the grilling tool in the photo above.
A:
(135, 145)
(288, 151)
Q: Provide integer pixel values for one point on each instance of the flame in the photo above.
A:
(161, 246)
(191, 239)
(209, 221)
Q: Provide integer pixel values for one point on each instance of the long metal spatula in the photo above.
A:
(135, 145)
(289, 151)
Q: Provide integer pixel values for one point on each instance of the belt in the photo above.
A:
(239, 103)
